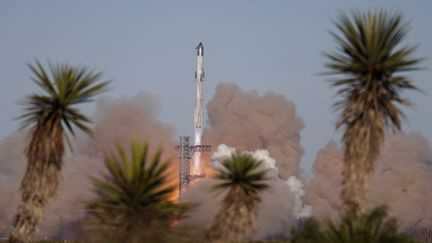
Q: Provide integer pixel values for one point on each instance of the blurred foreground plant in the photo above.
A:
(51, 115)
(244, 180)
(373, 227)
(369, 61)
(422, 235)
(133, 201)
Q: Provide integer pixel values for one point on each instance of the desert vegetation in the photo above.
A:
(134, 198)
(50, 116)
(244, 180)
(369, 60)
(370, 227)
(134, 201)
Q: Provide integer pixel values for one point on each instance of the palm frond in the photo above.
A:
(243, 171)
(245, 179)
(373, 227)
(136, 191)
(64, 87)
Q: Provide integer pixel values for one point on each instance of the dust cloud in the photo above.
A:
(249, 121)
(402, 180)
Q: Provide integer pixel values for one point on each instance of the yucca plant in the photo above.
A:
(369, 60)
(243, 179)
(50, 116)
(133, 200)
(422, 235)
(373, 227)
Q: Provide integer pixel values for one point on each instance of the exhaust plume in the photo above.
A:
(248, 121)
(402, 180)
(12, 168)
(196, 165)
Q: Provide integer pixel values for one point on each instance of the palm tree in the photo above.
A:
(244, 180)
(133, 200)
(373, 227)
(369, 59)
(51, 115)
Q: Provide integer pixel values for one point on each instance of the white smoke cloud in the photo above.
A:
(281, 208)
(300, 209)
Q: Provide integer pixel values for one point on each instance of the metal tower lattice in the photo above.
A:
(185, 155)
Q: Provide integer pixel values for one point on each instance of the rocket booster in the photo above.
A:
(199, 77)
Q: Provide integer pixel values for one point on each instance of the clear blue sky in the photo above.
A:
(149, 45)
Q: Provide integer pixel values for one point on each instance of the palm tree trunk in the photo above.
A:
(363, 140)
(40, 182)
(233, 221)
(25, 223)
(44, 184)
(354, 188)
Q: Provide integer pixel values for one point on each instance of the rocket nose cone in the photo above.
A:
(200, 46)
(200, 49)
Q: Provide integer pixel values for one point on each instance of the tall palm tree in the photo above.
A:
(373, 227)
(133, 200)
(51, 115)
(243, 179)
(369, 59)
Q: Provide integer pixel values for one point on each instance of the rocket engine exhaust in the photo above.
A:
(199, 77)
(196, 166)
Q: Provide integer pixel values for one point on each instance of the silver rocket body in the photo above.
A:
(199, 77)
(198, 117)
(192, 171)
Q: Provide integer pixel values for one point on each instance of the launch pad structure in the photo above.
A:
(186, 151)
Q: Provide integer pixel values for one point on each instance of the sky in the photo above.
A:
(272, 45)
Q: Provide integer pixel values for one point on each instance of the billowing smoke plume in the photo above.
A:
(281, 206)
(243, 119)
(11, 163)
(402, 180)
(248, 121)
(117, 121)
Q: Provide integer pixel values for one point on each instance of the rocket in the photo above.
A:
(198, 117)
(199, 77)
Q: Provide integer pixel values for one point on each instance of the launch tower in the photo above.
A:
(186, 151)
